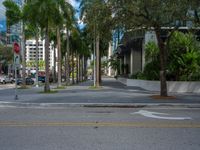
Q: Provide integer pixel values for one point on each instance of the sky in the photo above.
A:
(2, 10)
(2, 17)
(74, 3)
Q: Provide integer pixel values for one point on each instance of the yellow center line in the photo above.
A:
(99, 124)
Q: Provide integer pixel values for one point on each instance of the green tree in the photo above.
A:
(151, 52)
(49, 15)
(6, 57)
(114, 63)
(151, 14)
(182, 61)
(14, 15)
(97, 16)
(184, 56)
(33, 30)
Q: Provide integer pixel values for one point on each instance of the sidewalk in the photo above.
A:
(112, 94)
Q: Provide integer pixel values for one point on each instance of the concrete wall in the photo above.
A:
(173, 86)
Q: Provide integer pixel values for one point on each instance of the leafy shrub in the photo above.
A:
(151, 70)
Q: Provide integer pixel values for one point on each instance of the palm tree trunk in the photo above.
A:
(77, 67)
(163, 81)
(100, 81)
(97, 61)
(94, 59)
(23, 49)
(72, 68)
(47, 86)
(65, 66)
(59, 57)
(80, 69)
(85, 68)
(54, 65)
(37, 59)
(67, 61)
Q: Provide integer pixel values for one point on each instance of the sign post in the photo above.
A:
(16, 49)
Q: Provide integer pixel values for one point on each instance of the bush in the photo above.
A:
(151, 71)
(183, 59)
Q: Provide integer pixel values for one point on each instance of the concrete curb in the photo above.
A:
(100, 105)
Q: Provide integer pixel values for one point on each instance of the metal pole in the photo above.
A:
(16, 96)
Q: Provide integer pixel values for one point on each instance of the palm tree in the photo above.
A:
(54, 43)
(66, 14)
(33, 28)
(49, 15)
(13, 8)
(97, 16)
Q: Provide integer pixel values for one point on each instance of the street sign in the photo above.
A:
(16, 48)
(16, 59)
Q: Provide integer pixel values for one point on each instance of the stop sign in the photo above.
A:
(16, 48)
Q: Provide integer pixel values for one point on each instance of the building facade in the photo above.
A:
(11, 34)
(31, 55)
(131, 51)
(3, 28)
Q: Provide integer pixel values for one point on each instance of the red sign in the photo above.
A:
(16, 48)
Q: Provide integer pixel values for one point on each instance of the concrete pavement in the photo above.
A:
(112, 94)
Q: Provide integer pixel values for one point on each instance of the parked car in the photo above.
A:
(2, 80)
(41, 79)
(29, 81)
(6, 79)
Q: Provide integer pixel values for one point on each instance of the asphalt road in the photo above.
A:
(84, 128)
(81, 128)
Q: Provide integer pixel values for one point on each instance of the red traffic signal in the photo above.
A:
(16, 48)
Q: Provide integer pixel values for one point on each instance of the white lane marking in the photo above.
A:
(150, 114)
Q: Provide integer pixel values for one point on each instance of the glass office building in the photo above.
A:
(2, 24)
(8, 35)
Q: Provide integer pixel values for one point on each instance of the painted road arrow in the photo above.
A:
(150, 114)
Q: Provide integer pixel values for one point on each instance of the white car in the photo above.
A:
(6, 79)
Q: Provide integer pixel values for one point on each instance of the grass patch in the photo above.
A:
(24, 87)
(50, 92)
(60, 88)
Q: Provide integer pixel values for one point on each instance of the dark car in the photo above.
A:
(41, 79)
(29, 81)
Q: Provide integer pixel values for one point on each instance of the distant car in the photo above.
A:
(29, 81)
(41, 79)
(6, 79)
(2, 80)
